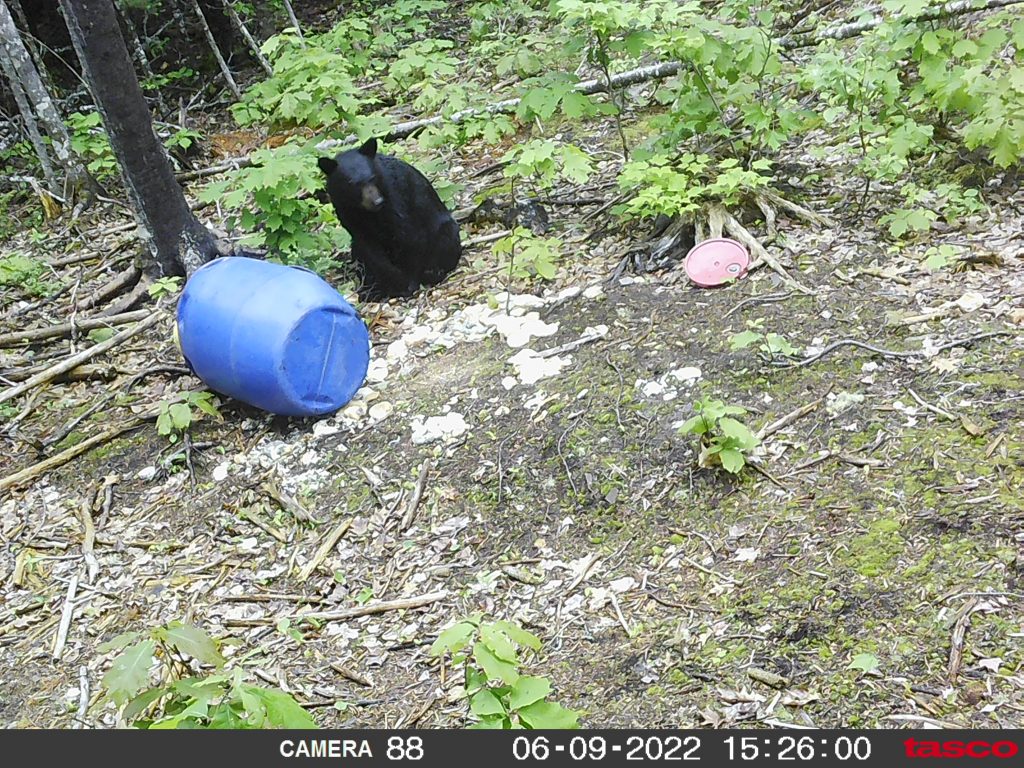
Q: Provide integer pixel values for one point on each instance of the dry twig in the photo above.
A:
(369, 609)
(417, 494)
(324, 549)
(75, 360)
(65, 618)
(38, 334)
(89, 538)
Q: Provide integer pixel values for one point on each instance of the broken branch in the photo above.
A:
(75, 360)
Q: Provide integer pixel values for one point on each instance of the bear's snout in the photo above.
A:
(372, 200)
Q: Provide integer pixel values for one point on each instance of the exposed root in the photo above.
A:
(769, 199)
(699, 233)
(667, 240)
(677, 237)
(769, 216)
(633, 259)
(130, 299)
(714, 222)
(121, 282)
(718, 218)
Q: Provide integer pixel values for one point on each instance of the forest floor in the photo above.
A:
(870, 574)
(883, 532)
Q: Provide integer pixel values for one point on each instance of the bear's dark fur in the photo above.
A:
(402, 235)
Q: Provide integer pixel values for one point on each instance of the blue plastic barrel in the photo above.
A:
(272, 336)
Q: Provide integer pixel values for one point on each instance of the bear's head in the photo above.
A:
(352, 177)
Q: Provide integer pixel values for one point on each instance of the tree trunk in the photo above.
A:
(253, 45)
(295, 22)
(140, 55)
(25, 71)
(179, 19)
(178, 243)
(31, 126)
(224, 68)
(31, 43)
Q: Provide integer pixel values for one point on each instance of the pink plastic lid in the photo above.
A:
(713, 262)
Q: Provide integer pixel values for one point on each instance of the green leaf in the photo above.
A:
(738, 431)
(712, 410)
(475, 679)
(546, 714)
(576, 105)
(576, 166)
(732, 460)
(280, 709)
(545, 269)
(227, 717)
(168, 723)
(743, 340)
(519, 635)
(930, 42)
(486, 703)
(490, 724)
(129, 672)
(200, 688)
(897, 225)
(141, 702)
(98, 335)
(936, 260)
(528, 690)
(119, 642)
(192, 641)
(498, 642)
(778, 344)
(1006, 151)
(920, 219)
(696, 425)
(199, 707)
(865, 662)
(496, 668)
(453, 639)
(965, 48)
(636, 44)
(205, 404)
(181, 416)
(163, 424)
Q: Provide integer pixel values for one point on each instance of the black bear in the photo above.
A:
(402, 235)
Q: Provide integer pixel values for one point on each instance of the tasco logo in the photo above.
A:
(960, 749)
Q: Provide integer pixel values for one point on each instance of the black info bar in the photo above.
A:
(490, 749)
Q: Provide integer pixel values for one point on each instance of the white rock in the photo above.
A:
(971, 301)
(531, 367)
(380, 411)
(747, 554)
(325, 427)
(447, 427)
(378, 370)
(518, 331)
(688, 374)
(624, 584)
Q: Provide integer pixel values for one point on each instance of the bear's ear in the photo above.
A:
(327, 164)
(369, 148)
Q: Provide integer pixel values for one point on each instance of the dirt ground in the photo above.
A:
(868, 574)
